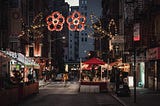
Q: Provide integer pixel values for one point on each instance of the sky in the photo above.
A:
(73, 2)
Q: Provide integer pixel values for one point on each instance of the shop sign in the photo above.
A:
(136, 33)
(153, 53)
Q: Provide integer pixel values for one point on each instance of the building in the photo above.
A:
(86, 40)
(4, 23)
(141, 30)
(58, 46)
(113, 40)
(73, 41)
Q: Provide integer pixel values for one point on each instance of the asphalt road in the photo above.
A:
(55, 94)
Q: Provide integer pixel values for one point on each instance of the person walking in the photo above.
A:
(65, 77)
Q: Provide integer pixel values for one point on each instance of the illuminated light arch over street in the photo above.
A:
(76, 21)
(55, 21)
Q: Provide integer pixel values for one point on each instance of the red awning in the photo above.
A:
(94, 61)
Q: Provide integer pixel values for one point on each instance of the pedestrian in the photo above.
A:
(65, 77)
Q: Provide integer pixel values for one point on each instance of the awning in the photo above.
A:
(19, 57)
(94, 61)
(3, 59)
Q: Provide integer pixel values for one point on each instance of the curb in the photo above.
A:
(120, 101)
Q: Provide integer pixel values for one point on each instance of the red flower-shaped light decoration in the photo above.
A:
(76, 21)
(55, 21)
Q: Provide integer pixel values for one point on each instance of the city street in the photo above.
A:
(144, 97)
(107, 52)
(55, 94)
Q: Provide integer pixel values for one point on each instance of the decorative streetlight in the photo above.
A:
(50, 49)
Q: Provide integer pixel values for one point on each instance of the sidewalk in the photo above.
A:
(144, 97)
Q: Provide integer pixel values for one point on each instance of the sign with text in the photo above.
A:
(136, 32)
(153, 53)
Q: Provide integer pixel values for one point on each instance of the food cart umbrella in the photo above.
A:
(94, 61)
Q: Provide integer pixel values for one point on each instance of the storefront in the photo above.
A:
(20, 67)
(153, 68)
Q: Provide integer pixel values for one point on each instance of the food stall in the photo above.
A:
(91, 76)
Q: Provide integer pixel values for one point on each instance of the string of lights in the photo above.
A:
(34, 30)
(96, 27)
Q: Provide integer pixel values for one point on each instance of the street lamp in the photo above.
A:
(50, 49)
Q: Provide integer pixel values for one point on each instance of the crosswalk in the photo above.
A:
(61, 82)
(71, 87)
(69, 84)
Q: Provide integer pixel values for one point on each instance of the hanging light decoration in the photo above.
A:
(112, 28)
(55, 21)
(34, 30)
(96, 27)
(76, 21)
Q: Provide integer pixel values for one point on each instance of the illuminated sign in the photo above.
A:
(136, 32)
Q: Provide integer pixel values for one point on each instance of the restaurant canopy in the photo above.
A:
(94, 61)
(19, 57)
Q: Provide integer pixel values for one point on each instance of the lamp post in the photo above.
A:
(136, 38)
(50, 50)
(134, 72)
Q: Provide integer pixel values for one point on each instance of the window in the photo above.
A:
(85, 14)
(82, 2)
(70, 52)
(13, 3)
(31, 52)
(82, 39)
(85, 39)
(82, 7)
(85, 7)
(85, 27)
(85, 2)
(70, 46)
(30, 5)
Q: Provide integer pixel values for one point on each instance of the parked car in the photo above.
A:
(59, 77)
(123, 90)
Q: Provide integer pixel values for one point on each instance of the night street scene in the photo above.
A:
(79, 52)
